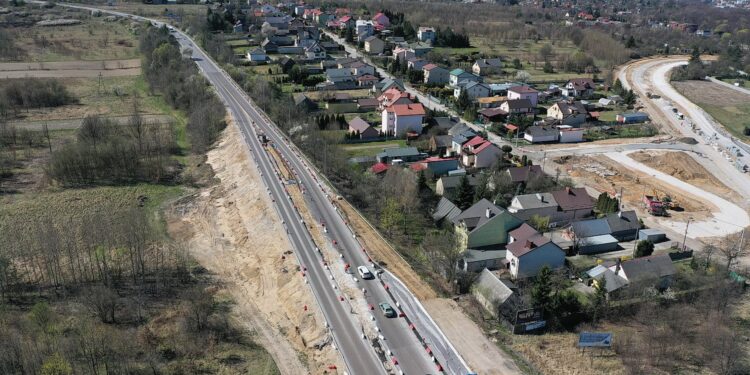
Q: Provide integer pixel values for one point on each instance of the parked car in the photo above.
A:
(365, 273)
(387, 310)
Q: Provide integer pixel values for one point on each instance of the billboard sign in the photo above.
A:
(594, 340)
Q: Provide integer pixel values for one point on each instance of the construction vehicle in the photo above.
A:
(263, 139)
(654, 206)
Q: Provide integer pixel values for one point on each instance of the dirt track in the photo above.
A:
(232, 229)
(71, 69)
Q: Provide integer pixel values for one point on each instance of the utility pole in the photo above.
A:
(684, 238)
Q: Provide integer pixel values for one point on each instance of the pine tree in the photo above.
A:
(541, 290)
(643, 249)
(464, 194)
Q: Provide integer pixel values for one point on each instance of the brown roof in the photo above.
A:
(523, 89)
(573, 199)
(582, 83)
(407, 109)
(357, 124)
(523, 232)
(523, 174)
(520, 248)
(368, 102)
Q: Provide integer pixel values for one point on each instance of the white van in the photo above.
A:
(365, 273)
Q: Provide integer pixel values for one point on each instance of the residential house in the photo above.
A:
(522, 175)
(364, 29)
(539, 204)
(394, 96)
(388, 83)
(518, 107)
(460, 139)
(269, 46)
(362, 128)
(489, 115)
(434, 74)
(565, 113)
(257, 55)
(497, 296)
(491, 101)
(440, 144)
(444, 123)
(439, 166)
(420, 49)
(575, 204)
(322, 18)
(484, 224)
(379, 168)
(398, 119)
(446, 185)
(479, 153)
(381, 20)
(281, 40)
(315, 52)
(405, 154)
(460, 128)
(339, 75)
(485, 67)
(346, 22)
(426, 34)
(474, 90)
(445, 210)
(403, 54)
(501, 89)
(655, 269)
(416, 63)
(286, 63)
(359, 68)
(459, 75)
(524, 92)
(541, 134)
(529, 251)
(579, 88)
(623, 225)
(602, 272)
(374, 45)
(569, 134)
(367, 80)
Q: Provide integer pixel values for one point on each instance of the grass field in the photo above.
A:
(729, 107)
(526, 51)
(93, 39)
(372, 148)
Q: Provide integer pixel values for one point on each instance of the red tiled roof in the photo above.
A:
(429, 66)
(511, 127)
(379, 168)
(482, 147)
(474, 142)
(417, 167)
(345, 19)
(407, 109)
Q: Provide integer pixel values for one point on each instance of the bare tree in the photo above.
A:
(733, 247)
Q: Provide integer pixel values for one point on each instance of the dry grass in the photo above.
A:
(556, 353)
(729, 107)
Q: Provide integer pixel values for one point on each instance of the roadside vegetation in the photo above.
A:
(90, 282)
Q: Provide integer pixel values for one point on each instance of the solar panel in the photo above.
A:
(594, 339)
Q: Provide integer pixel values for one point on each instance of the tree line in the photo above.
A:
(28, 93)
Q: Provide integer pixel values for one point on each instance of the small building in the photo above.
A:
(524, 92)
(302, 101)
(484, 67)
(623, 225)
(367, 80)
(653, 235)
(575, 203)
(529, 251)
(405, 154)
(447, 185)
(374, 45)
(519, 175)
(541, 134)
(367, 104)
(655, 269)
(489, 115)
(496, 296)
(632, 118)
(416, 63)
(364, 29)
(440, 144)
(257, 55)
(597, 244)
(436, 75)
(479, 153)
(491, 101)
(382, 20)
(539, 204)
(569, 134)
(426, 34)
(439, 166)
(445, 210)
(476, 260)
(360, 127)
(579, 88)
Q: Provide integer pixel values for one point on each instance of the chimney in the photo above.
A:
(488, 213)
(617, 265)
(540, 197)
(567, 190)
(529, 244)
(619, 214)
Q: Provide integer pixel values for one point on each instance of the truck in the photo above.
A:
(263, 139)
(654, 206)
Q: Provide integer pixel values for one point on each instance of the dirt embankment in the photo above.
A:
(232, 229)
(603, 174)
(684, 167)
